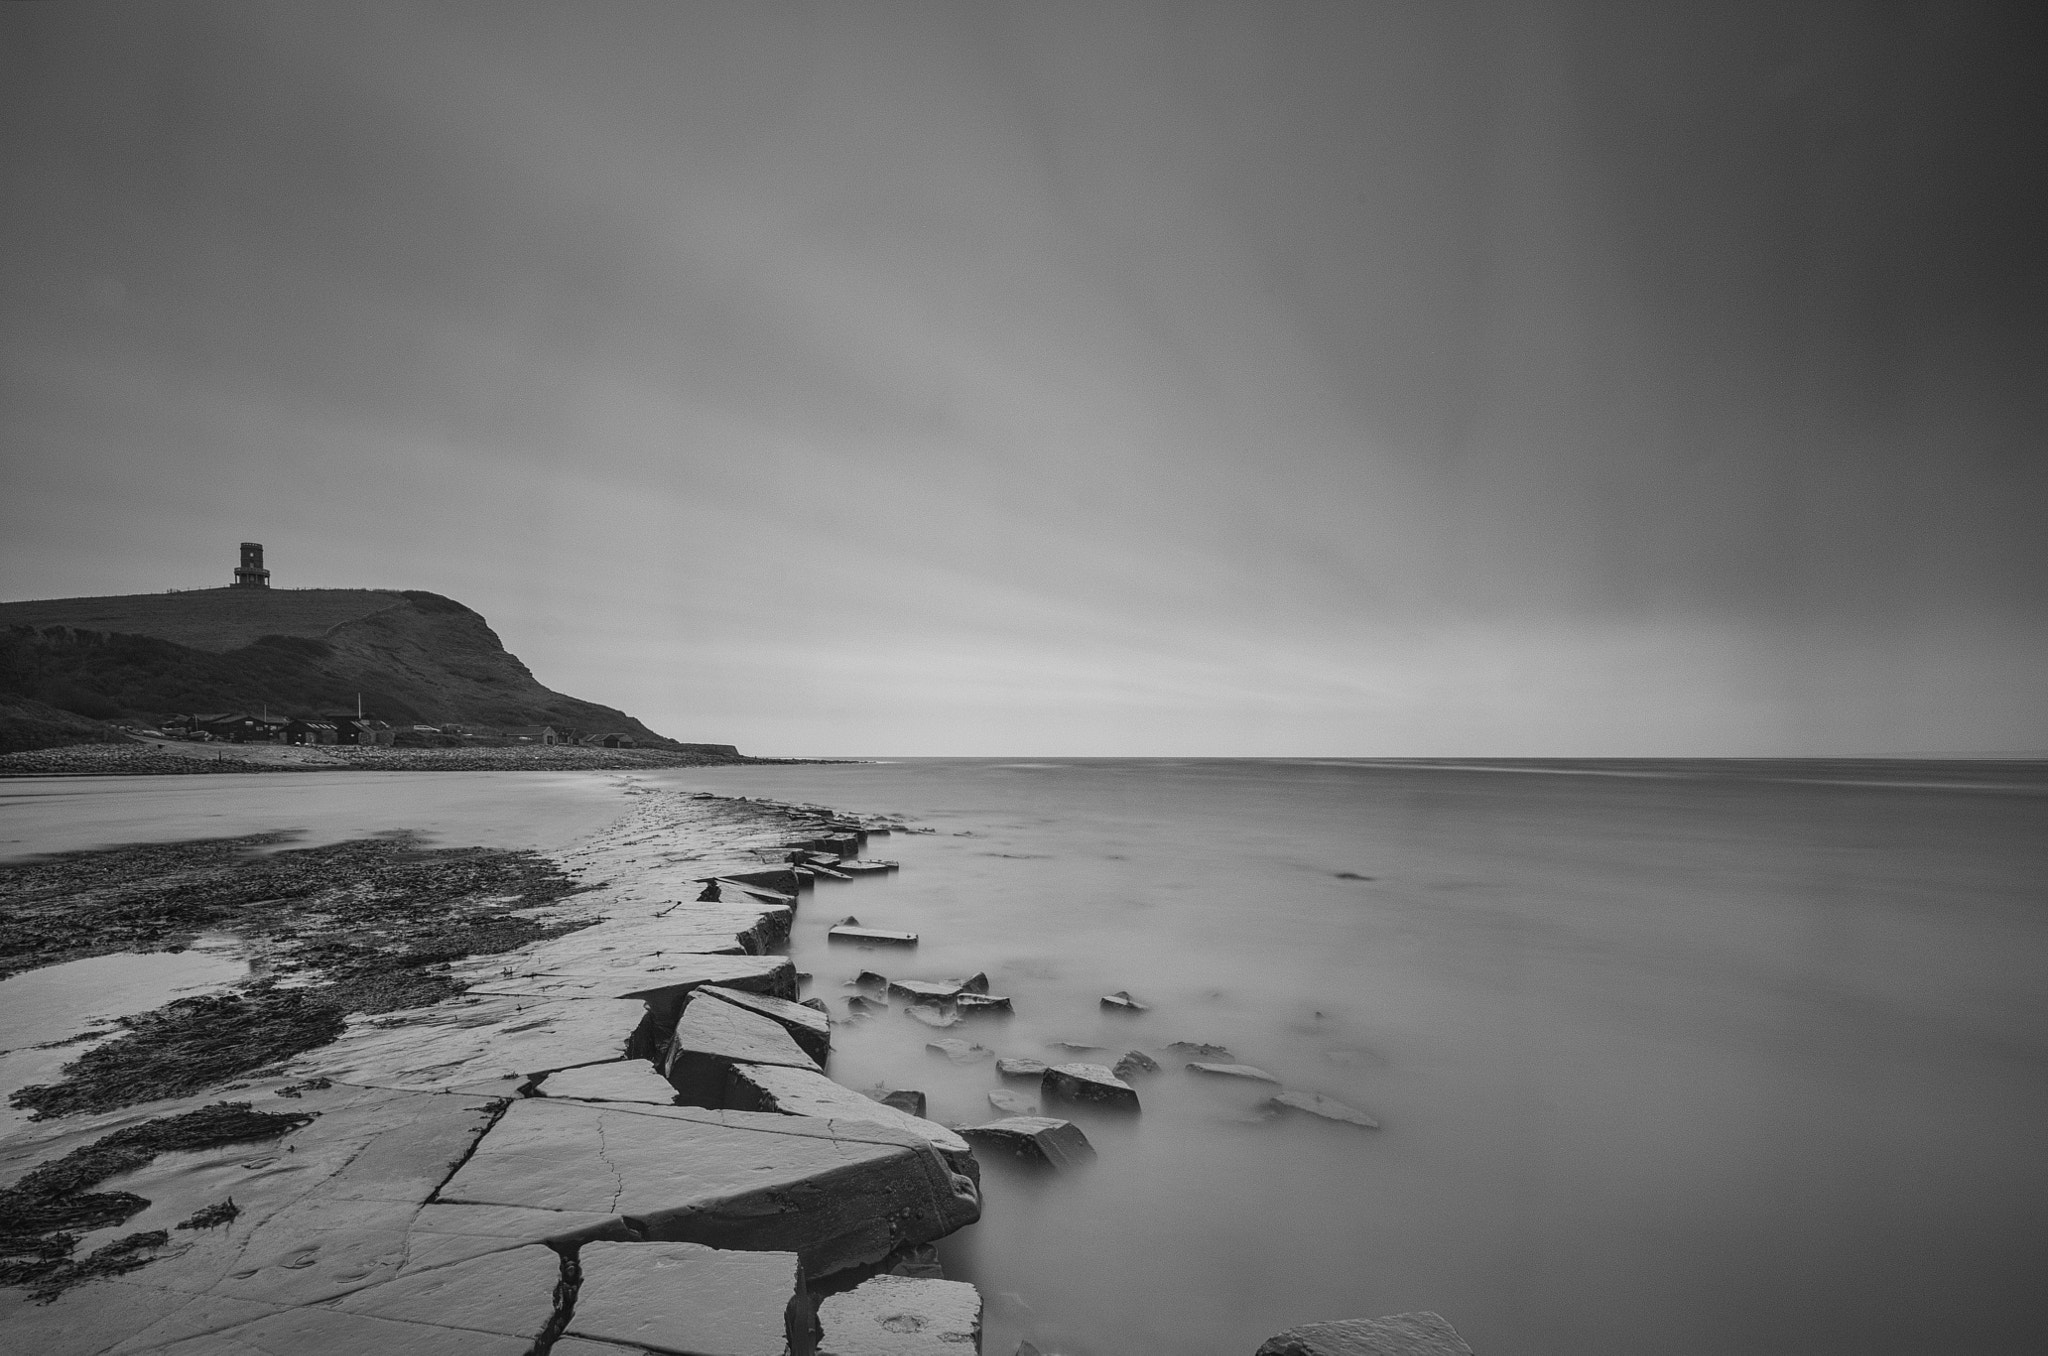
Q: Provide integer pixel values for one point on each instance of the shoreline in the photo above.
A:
(171, 758)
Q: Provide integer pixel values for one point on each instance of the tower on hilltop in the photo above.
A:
(250, 574)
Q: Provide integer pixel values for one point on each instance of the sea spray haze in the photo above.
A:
(1694, 1058)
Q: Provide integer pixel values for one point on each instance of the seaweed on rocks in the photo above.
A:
(359, 927)
(42, 1214)
(188, 1046)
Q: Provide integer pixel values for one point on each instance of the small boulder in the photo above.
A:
(868, 979)
(860, 1006)
(1010, 1103)
(1421, 1333)
(1330, 1109)
(1121, 1001)
(959, 1051)
(1231, 1071)
(1133, 1063)
(978, 984)
(982, 1005)
(1199, 1050)
(1033, 1069)
(1091, 1084)
(1039, 1140)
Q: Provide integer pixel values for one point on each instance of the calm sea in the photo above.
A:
(1675, 1057)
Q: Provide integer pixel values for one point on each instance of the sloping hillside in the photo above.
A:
(413, 657)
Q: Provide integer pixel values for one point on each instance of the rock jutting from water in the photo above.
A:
(1328, 1108)
(1041, 1141)
(1245, 1071)
(1421, 1333)
(1121, 1001)
(871, 936)
(1015, 1067)
(1133, 1063)
(809, 1027)
(1011, 1103)
(959, 1051)
(1088, 1085)
(983, 1005)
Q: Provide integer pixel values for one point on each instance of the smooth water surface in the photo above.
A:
(1710, 1061)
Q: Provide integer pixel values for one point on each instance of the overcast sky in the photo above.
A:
(1104, 378)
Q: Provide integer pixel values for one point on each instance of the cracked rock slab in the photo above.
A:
(713, 1035)
(629, 1080)
(840, 1193)
(463, 1045)
(902, 1316)
(809, 1027)
(803, 1092)
(1420, 1333)
(692, 1300)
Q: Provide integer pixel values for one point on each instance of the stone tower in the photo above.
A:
(250, 574)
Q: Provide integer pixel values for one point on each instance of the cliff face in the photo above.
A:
(414, 657)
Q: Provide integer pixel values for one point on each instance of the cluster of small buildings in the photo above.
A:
(241, 728)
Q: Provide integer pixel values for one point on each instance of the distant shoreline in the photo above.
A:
(169, 758)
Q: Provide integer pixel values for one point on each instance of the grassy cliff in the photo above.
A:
(413, 656)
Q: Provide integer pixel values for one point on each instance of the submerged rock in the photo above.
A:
(959, 1051)
(924, 990)
(1092, 1084)
(1011, 1103)
(869, 980)
(1039, 1140)
(688, 1297)
(1033, 1069)
(978, 1004)
(932, 1016)
(1199, 1050)
(1421, 1333)
(1232, 1071)
(1074, 1047)
(865, 1007)
(1121, 1001)
(1133, 1063)
(1330, 1109)
(901, 1316)
(907, 1100)
(978, 983)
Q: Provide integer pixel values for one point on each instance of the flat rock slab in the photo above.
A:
(1033, 1069)
(629, 1080)
(1091, 1084)
(872, 936)
(461, 1045)
(984, 1005)
(841, 1193)
(1231, 1071)
(959, 1051)
(1040, 1140)
(802, 1092)
(809, 1027)
(693, 1300)
(1329, 1108)
(1121, 1001)
(511, 1293)
(1011, 1103)
(1421, 1333)
(713, 1035)
(331, 1332)
(902, 1316)
(667, 978)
